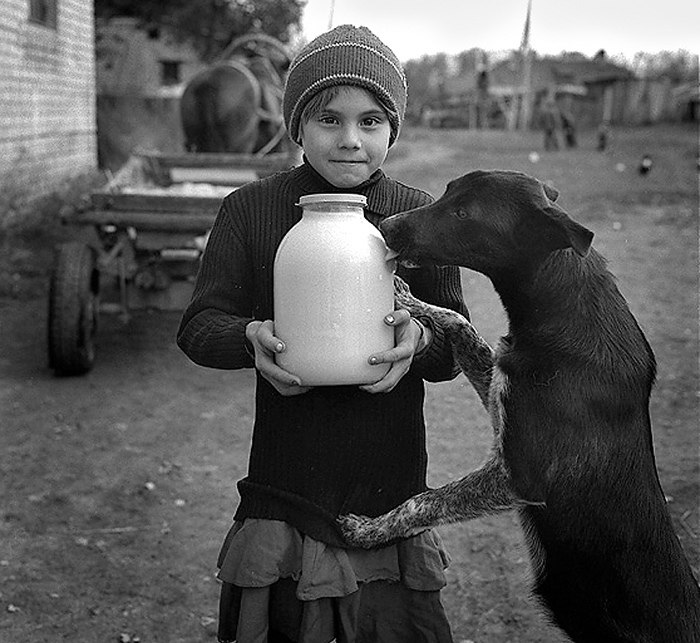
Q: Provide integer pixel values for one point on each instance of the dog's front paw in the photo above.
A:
(362, 531)
(400, 286)
(403, 298)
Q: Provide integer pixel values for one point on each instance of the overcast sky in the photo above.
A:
(416, 27)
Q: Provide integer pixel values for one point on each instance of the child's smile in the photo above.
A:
(348, 140)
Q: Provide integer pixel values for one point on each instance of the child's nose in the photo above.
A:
(350, 137)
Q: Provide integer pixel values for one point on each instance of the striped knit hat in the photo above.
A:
(346, 55)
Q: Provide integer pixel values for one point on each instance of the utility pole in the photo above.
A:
(518, 115)
(526, 107)
(526, 57)
(330, 15)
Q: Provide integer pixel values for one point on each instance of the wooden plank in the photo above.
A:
(269, 163)
(158, 239)
(231, 176)
(145, 220)
(156, 202)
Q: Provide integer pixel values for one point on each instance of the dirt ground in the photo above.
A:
(117, 487)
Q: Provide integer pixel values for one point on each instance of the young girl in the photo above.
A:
(320, 452)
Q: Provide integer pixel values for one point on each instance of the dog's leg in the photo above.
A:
(472, 353)
(482, 492)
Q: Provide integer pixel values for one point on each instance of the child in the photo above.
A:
(320, 452)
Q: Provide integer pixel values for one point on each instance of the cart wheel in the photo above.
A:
(73, 310)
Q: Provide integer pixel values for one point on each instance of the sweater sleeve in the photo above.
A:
(212, 329)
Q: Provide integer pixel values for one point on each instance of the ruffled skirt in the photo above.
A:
(279, 585)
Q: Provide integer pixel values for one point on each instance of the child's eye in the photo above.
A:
(371, 121)
(327, 119)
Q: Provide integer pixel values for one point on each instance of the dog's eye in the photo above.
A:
(460, 213)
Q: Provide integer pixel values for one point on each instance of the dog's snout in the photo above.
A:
(387, 225)
(391, 229)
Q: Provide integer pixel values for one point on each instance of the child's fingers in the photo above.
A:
(397, 317)
(389, 381)
(265, 363)
(266, 336)
(284, 382)
(402, 351)
(261, 334)
(271, 371)
(405, 339)
(288, 390)
(400, 357)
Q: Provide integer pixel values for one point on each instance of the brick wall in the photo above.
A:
(47, 96)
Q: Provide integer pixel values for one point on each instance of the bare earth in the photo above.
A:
(116, 488)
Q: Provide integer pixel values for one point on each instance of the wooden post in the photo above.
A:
(607, 104)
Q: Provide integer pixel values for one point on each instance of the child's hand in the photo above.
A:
(408, 338)
(265, 344)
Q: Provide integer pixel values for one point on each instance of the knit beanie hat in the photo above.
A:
(346, 55)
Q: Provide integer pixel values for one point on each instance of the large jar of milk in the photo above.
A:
(332, 290)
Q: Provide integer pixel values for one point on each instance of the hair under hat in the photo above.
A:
(346, 55)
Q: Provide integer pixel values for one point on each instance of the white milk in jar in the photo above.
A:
(332, 290)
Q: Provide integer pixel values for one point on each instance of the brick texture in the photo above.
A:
(47, 96)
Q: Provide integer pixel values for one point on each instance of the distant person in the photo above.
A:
(482, 106)
(550, 122)
(603, 136)
(568, 125)
(318, 452)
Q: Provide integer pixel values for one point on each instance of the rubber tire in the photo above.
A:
(73, 310)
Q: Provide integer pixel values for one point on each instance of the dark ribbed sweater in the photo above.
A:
(335, 449)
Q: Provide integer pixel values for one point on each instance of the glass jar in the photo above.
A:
(332, 289)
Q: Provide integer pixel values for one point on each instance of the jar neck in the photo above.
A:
(332, 208)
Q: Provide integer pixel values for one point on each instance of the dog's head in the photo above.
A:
(486, 221)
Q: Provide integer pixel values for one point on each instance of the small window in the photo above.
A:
(43, 12)
(169, 72)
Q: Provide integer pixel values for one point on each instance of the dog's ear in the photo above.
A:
(551, 192)
(578, 237)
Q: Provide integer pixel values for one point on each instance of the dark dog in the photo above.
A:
(568, 393)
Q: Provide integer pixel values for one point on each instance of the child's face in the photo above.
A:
(348, 139)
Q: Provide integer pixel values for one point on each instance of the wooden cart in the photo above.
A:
(138, 244)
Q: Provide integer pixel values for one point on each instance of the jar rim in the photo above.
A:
(350, 198)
